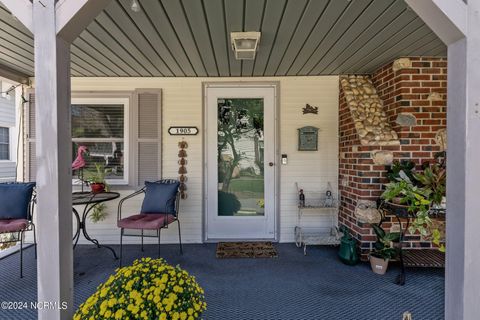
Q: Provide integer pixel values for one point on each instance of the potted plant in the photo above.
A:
(434, 178)
(384, 249)
(415, 194)
(96, 179)
(405, 195)
(148, 289)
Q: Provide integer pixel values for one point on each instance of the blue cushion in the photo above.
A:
(14, 200)
(160, 197)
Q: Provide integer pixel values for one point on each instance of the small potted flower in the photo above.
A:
(148, 289)
(96, 179)
(384, 250)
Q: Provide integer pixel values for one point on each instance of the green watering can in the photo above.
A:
(348, 249)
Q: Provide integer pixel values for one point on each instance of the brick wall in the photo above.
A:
(419, 90)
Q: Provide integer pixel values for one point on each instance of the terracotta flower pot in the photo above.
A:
(97, 187)
(379, 265)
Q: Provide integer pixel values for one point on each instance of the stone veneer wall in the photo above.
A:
(412, 92)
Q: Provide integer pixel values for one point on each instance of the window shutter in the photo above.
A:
(31, 163)
(149, 137)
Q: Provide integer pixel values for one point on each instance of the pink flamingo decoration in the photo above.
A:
(79, 162)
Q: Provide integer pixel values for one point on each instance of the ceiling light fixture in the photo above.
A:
(135, 6)
(245, 44)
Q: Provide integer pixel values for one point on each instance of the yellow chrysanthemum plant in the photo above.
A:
(148, 289)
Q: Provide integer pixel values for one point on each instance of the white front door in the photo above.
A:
(240, 162)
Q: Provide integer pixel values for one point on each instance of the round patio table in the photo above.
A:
(89, 200)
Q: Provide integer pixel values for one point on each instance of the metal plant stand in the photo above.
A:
(89, 200)
(306, 235)
(414, 258)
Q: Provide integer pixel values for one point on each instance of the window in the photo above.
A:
(4, 143)
(101, 126)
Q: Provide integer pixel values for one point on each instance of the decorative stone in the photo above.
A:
(402, 63)
(362, 132)
(367, 212)
(406, 119)
(441, 139)
(435, 96)
(366, 110)
(382, 157)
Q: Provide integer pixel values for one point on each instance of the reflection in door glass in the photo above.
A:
(240, 157)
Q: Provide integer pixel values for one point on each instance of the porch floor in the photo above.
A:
(291, 286)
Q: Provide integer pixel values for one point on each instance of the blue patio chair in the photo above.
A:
(160, 208)
(17, 202)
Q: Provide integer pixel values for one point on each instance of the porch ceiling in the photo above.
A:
(191, 38)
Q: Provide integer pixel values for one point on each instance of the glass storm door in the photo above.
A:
(240, 174)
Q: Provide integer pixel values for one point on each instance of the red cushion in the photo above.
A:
(147, 221)
(13, 225)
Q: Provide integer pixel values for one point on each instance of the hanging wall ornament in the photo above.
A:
(182, 170)
(182, 153)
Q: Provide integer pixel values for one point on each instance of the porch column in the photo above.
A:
(457, 24)
(53, 150)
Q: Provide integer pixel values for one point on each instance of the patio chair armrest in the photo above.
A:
(120, 203)
(31, 205)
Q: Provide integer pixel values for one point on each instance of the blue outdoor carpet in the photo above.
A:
(292, 286)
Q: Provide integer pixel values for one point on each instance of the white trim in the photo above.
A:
(10, 144)
(125, 101)
(73, 16)
(22, 10)
(447, 18)
(271, 227)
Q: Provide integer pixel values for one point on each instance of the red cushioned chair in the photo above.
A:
(151, 220)
(22, 222)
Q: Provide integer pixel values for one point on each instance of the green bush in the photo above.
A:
(228, 203)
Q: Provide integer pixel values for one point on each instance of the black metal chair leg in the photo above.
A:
(121, 246)
(159, 242)
(142, 241)
(180, 237)
(21, 254)
(34, 240)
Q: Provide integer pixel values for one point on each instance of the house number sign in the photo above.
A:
(183, 131)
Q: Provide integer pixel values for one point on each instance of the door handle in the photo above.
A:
(271, 164)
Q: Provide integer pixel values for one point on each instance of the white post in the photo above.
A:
(457, 24)
(53, 149)
(463, 219)
(54, 27)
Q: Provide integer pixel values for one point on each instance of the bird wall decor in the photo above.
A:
(310, 109)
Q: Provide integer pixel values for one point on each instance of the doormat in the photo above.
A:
(226, 250)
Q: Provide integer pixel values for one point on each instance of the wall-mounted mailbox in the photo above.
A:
(308, 139)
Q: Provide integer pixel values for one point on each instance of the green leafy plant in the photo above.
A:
(434, 178)
(385, 246)
(98, 175)
(418, 199)
(396, 169)
(405, 193)
(228, 203)
(99, 213)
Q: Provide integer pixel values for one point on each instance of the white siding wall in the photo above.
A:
(7, 119)
(182, 105)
